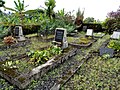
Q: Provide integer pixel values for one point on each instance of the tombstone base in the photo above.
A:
(64, 45)
(21, 38)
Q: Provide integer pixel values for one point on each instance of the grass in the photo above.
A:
(96, 74)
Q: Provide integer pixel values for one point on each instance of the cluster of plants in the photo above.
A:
(9, 40)
(83, 40)
(21, 66)
(45, 17)
(96, 74)
(3, 31)
(115, 44)
(113, 21)
(40, 57)
(98, 34)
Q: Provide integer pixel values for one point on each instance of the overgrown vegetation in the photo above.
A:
(115, 44)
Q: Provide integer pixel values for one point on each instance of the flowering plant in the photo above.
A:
(114, 20)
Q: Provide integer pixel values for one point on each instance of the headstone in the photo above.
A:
(89, 32)
(19, 33)
(115, 35)
(61, 36)
(106, 51)
(85, 28)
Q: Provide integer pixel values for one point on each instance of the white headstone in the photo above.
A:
(115, 35)
(61, 36)
(89, 32)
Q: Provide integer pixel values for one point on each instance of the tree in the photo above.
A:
(114, 20)
(19, 8)
(79, 17)
(50, 4)
(89, 20)
(2, 3)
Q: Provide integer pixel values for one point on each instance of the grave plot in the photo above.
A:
(82, 42)
(15, 45)
(110, 48)
(22, 71)
(98, 35)
(85, 41)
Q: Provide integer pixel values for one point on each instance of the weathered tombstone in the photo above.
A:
(106, 51)
(60, 36)
(19, 33)
(85, 28)
(115, 35)
(89, 32)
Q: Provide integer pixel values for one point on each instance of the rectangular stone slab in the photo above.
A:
(105, 50)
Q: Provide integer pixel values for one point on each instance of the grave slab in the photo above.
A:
(105, 50)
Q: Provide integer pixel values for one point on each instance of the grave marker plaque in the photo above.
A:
(115, 35)
(89, 32)
(106, 51)
(84, 28)
(59, 35)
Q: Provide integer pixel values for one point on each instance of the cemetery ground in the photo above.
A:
(86, 70)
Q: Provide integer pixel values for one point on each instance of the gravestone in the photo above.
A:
(106, 51)
(60, 36)
(18, 33)
(115, 35)
(85, 28)
(89, 32)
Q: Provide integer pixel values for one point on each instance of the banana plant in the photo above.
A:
(19, 8)
(50, 4)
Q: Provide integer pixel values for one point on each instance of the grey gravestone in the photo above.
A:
(19, 33)
(60, 36)
(84, 28)
(89, 32)
(106, 51)
(115, 35)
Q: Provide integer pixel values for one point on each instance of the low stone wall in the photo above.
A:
(23, 80)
